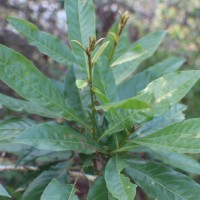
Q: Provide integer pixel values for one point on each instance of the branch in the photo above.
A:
(89, 177)
(17, 168)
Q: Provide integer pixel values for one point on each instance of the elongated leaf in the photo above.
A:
(20, 106)
(168, 90)
(126, 104)
(174, 115)
(136, 53)
(182, 137)
(56, 138)
(45, 42)
(37, 186)
(177, 160)
(58, 191)
(81, 25)
(149, 44)
(99, 51)
(9, 129)
(3, 192)
(104, 81)
(131, 87)
(79, 100)
(119, 186)
(163, 183)
(30, 154)
(99, 191)
(21, 75)
(160, 94)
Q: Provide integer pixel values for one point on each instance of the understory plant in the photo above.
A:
(119, 131)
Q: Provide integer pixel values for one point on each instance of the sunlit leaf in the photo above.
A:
(130, 87)
(3, 192)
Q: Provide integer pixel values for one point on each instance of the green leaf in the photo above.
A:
(3, 192)
(177, 160)
(45, 42)
(81, 83)
(168, 90)
(9, 129)
(56, 138)
(126, 104)
(119, 186)
(79, 100)
(29, 155)
(182, 137)
(99, 191)
(21, 75)
(132, 55)
(174, 115)
(160, 182)
(149, 44)
(57, 191)
(132, 86)
(104, 81)
(30, 107)
(81, 25)
(99, 52)
(37, 186)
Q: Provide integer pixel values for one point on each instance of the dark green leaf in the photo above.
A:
(160, 182)
(81, 25)
(21, 75)
(99, 191)
(79, 100)
(9, 129)
(37, 186)
(174, 115)
(59, 191)
(56, 138)
(119, 186)
(182, 137)
(177, 160)
(45, 42)
(30, 107)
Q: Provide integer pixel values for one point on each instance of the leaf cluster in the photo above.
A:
(126, 128)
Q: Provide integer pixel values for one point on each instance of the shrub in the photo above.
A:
(117, 128)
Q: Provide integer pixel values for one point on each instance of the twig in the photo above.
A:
(89, 177)
(17, 168)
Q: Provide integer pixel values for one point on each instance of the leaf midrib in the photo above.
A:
(160, 184)
(43, 45)
(42, 94)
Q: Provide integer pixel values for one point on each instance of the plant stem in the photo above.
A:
(91, 93)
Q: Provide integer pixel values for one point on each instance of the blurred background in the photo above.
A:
(181, 20)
